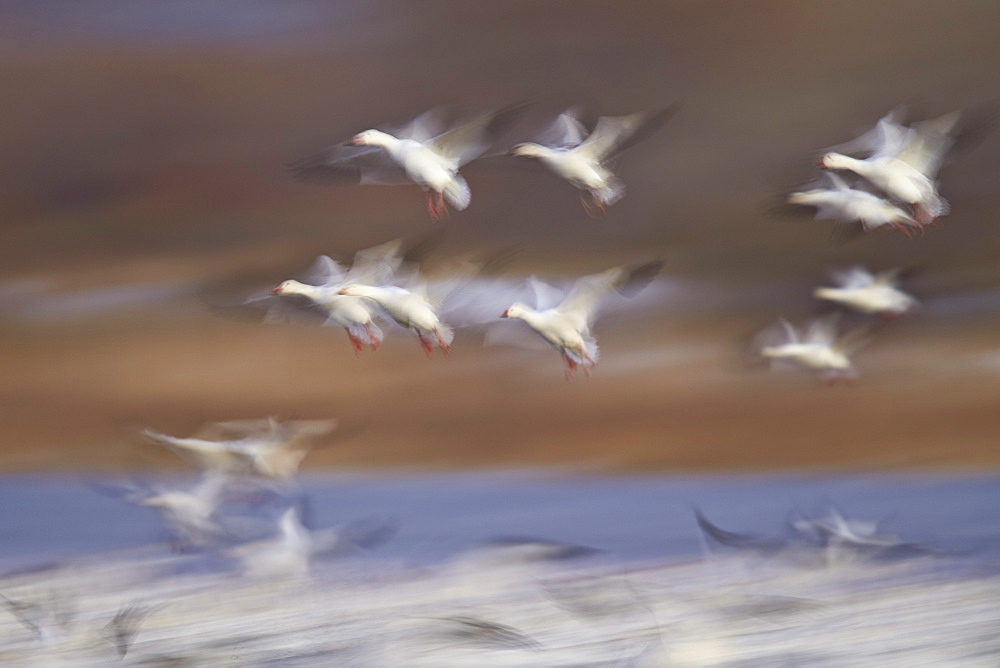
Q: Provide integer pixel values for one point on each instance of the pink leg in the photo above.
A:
(586, 205)
(355, 342)
(445, 348)
(373, 341)
(430, 205)
(442, 207)
(570, 366)
(426, 345)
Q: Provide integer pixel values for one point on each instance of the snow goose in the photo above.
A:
(417, 153)
(863, 291)
(902, 161)
(834, 198)
(265, 448)
(818, 349)
(567, 325)
(585, 161)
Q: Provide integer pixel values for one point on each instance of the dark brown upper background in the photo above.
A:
(141, 160)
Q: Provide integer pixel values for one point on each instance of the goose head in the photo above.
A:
(516, 310)
(836, 161)
(288, 288)
(370, 138)
(528, 150)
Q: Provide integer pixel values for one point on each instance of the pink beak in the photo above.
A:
(504, 314)
(354, 141)
(276, 290)
(820, 164)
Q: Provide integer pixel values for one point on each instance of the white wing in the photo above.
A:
(546, 296)
(565, 132)
(853, 279)
(469, 140)
(614, 134)
(822, 330)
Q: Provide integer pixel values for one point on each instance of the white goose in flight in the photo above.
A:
(863, 291)
(265, 448)
(836, 199)
(417, 153)
(412, 309)
(567, 326)
(585, 161)
(372, 266)
(902, 161)
(819, 349)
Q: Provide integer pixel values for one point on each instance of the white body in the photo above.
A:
(567, 325)
(868, 293)
(423, 165)
(853, 205)
(408, 309)
(818, 349)
(903, 161)
(352, 313)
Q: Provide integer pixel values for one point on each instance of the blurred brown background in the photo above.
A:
(142, 159)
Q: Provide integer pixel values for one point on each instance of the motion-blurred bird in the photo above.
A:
(902, 161)
(567, 325)
(417, 153)
(586, 161)
(863, 291)
(819, 349)
(266, 448)
(835, 199)
(293, 549)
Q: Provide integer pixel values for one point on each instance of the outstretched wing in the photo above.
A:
(564, 132)
(614, 134)
(350, 165)
(470, 140)
(582, 301)
(854, 278)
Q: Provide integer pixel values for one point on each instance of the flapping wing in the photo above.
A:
(928, 142)
(885, 138)
(349, 165)
(324, 271)
(546, 296)
(469, 140)
(582, 301)
(853, 278)
(822, 330)
(854, 340)
(614, 134)
(565, 132)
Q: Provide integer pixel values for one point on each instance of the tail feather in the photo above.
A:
(446, 333)
(593, 354)
(457, 193)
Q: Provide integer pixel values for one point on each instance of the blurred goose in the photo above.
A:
(902, 161)
(266, 448)
(420, 304)
(293, 549)
(584, 161)
(869, 293)
(412, 309)
(188, 514)
(567, 325)
(819, 349)
(417, 153)
(371, 266)
(836, 199)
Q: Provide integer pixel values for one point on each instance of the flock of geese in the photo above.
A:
(886, 177)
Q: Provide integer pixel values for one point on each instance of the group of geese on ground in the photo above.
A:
(894, 167)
